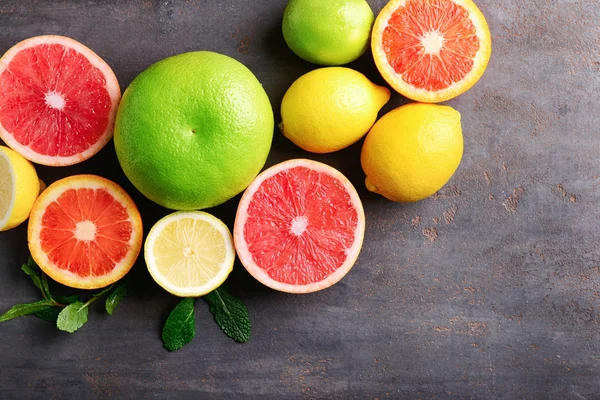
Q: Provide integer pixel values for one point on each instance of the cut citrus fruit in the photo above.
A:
(19, 187)
(431, 50)
(189, 253)
(299, 226)
(85, 232)
(58, 100)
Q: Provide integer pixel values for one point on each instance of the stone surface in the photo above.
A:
(488, 290)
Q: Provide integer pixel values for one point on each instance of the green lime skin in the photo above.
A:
(328, 32)
(193, 130)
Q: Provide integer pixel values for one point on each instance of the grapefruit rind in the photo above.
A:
(480, 61)
(241, 217)
(216, 281)
(112, 86)
(50, 195)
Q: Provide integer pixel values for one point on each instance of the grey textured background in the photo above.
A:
(488, 290)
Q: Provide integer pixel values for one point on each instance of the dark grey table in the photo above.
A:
(488, 290)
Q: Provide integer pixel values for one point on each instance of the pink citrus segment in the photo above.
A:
(299, 226)
(58, 100)
(85, 232)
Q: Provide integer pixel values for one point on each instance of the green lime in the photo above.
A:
(332, 32)
(193, 130)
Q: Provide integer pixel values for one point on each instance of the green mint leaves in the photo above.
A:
(65, 300)
(180, 327)
(49, 314)
(229, 313)
(115, 297)
(26, 309)
(72, 317)
(68, 312)
(33, 271)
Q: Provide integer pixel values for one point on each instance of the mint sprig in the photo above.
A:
(229, 313)
(75, 315)
(68, 312)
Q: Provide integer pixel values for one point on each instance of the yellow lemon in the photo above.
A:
(19, 187)
(189, 253)
(412, 151)
(329, 109)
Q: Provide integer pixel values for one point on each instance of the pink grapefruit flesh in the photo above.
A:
(58, 100)
(299, 226)
(85, 232)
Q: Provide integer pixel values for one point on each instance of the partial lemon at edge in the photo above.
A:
(19, 188)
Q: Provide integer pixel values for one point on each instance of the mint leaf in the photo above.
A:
(230, 314)
(115, 297)
(49, 314)
(37, 276)
(103, 292)
(45, 287)
(25, 309)
(72, 317)
(180, 327)
(33, 271)
(66, 300)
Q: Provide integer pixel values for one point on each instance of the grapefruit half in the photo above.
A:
(58, 100)
(431, 50)
(85, 232)
(299, 226)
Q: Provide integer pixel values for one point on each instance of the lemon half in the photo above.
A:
(189, 253)
(19, 187)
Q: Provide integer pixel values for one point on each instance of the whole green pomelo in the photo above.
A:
(193, 130)
(328, 32)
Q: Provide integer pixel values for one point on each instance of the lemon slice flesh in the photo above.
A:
(189, 253)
